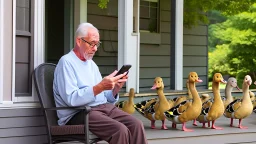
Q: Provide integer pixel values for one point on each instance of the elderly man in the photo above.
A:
(78, 82)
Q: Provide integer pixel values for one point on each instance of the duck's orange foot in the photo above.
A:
(153, 124)
(194, 123)
(153, 127)
(203, 125)
(217, 128)
(187, 130)
(164, 127)
(174, 125)
(242, 127)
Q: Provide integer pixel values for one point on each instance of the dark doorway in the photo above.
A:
(59, 28)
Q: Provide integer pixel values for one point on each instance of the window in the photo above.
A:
(149, 15)
(24, 47)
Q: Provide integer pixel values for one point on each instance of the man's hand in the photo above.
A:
(119, 85)
(108, 82)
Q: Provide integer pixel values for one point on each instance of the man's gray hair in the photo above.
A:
(82, 29)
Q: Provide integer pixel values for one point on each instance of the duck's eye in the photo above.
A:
(217, 76)
(232, 81)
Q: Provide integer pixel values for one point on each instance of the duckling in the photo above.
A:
(127, 106)
(154, 109)
(187, 110)
(212, 110)
(241, 108)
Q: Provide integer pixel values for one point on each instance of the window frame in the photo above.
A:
(157, 15)
(38, 44)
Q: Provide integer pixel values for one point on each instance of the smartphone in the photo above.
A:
(124, 68)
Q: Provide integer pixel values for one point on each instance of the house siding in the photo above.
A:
(106, 20)
(27, 125)
(155, 58)
(22, 126)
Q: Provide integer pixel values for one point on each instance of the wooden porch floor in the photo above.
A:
(202, 135)
(229, 135)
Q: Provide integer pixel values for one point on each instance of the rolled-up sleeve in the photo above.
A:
(66, 85)
(109, 95)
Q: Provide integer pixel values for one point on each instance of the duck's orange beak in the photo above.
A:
(199, 80)
(154, 87)
(249, 82)
(237, 88)
(223, 81)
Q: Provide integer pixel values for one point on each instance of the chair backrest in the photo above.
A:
(43, 77)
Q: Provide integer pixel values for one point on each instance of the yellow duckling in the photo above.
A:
(212, 110)
(154, 109)
(127, 106)
(187, 110)
(241, 108)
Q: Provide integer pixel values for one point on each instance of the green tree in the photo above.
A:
(195, 11)
(235, 52)
(103, 3)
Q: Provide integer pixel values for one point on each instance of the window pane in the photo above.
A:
(144, 3)
(153, 25)
(23, 15)
(144, 24)
(144, 12)
(153, 13)
(153, 4)
(149, 15)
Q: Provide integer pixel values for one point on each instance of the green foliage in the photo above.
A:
(103, 3)
(235, 42)
(196, 10)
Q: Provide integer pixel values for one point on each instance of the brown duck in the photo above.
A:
(127, 106)
(187, 110)
(154, 109)
(212, 110)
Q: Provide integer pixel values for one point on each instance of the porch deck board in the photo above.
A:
(229, 135)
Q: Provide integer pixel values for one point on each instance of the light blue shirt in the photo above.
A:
(73, 86)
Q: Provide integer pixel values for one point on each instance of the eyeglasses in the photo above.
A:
(92, 44)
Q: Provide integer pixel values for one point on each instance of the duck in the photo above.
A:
(252, 95)
(241, 108)
(213, 109)
(231, 83)
(154, 109)
(127, 106)
(187, 110)
(143, 105)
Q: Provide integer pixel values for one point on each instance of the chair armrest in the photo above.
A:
(86, 108)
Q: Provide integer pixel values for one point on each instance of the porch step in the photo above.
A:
(242, 138)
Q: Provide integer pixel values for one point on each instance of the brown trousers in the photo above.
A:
(113, 125)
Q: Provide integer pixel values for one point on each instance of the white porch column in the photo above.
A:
(177, 44)
(128, 41)
(80, 12)
(1, 49)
